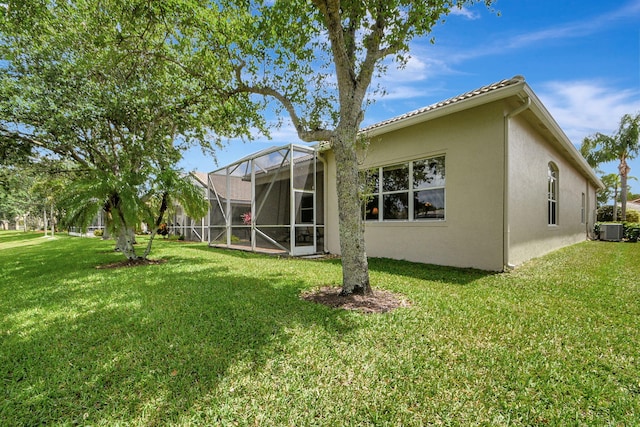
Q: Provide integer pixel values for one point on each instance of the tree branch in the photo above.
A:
(307, 135)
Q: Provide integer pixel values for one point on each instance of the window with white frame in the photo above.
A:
(552, 194)
(412, 191)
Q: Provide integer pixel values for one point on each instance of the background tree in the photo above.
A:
(611, 183)
(169, 188)
(318, 59)
(16, 198)
(621, 146)
(104, 85)
(610, 192)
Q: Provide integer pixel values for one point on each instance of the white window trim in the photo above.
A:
(410, 194)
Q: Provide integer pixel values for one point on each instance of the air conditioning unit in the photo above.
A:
(611, 232)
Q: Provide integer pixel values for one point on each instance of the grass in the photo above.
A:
(216, 337)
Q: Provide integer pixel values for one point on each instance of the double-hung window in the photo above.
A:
(412, 191)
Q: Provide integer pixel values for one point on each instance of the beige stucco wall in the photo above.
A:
(472, 233)
(529, 234)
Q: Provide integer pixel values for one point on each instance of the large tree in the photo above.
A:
(623, 145)
(317, 59)
(105, 85)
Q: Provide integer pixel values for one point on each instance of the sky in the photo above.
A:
(581, 57)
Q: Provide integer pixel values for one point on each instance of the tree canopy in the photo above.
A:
(113, 86)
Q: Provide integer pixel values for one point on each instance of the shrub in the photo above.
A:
(605, 214)
(631, 231)
(98, 233)
(633, 216)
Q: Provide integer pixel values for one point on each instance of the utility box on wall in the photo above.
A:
(611, 232)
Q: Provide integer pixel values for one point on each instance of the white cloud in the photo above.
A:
(583, 108)
(426, 63)
(463, 11)
(284, 134)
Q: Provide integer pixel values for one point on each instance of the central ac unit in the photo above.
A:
(611, 232)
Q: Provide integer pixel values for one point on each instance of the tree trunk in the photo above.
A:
(624, 169)
(615, 204)
(106, 234)
(53, 222)
(355, 267)
(125, 234)
(163, 209)
(125, 241)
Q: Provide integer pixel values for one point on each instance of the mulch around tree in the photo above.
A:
(131, 263)
(380, 301)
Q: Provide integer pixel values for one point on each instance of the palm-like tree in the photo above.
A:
(622, 146)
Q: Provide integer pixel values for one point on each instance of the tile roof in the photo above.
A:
(471, 94)
(634, 204)
(200, 176)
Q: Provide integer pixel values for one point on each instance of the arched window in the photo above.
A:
(552, 195)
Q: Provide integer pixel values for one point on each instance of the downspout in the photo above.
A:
(506, 265)
(320, 157)
(587, 214)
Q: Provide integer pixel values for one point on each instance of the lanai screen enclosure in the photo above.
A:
(271, 201)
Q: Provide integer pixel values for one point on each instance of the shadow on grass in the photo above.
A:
(137, 345)
(430, 272)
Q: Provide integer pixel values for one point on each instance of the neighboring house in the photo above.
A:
(633, 205)
(98, 224)
(486, 180)
(181, 224)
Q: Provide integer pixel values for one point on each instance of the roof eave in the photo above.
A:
(453, 107)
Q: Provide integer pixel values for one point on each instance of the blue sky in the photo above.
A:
(582, 59)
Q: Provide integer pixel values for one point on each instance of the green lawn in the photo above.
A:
(217, 337)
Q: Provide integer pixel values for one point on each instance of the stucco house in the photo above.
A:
(634, 204)
(486, 179)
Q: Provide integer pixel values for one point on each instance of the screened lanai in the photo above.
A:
(271, 201)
